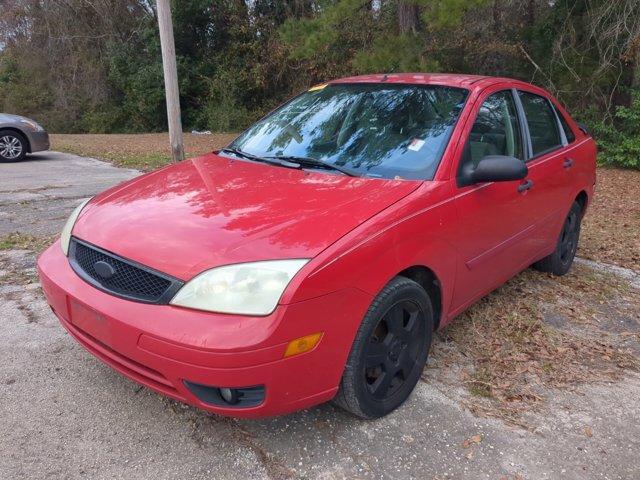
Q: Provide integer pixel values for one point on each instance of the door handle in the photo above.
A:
(523, 187)
(568, 163)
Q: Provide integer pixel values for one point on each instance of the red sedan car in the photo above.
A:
(313, 258)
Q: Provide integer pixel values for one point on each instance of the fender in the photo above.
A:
(397, 239)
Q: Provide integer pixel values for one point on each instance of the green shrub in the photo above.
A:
(619, 140)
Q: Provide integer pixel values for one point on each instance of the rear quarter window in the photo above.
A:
(565, 126)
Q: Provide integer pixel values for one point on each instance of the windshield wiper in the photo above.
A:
(291, 161)
(283, 162)
(314, 162)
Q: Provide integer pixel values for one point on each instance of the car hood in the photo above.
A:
(211, 211)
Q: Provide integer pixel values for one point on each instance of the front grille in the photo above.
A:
(129, 280)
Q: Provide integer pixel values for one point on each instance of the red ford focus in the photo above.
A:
(313, 258)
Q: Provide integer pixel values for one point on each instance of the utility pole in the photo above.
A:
(170, 69)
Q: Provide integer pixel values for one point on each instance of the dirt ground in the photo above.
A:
(538, 380)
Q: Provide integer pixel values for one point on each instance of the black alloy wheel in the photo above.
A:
(389, 351)
(569, 237)
(560, 261)
(393, 349)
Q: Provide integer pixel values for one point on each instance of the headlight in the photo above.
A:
(34, 126)
(247, 288)
(65, 235)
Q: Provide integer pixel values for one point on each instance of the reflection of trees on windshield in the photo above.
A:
(380, 130)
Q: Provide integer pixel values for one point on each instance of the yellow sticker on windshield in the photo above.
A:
(318, 87)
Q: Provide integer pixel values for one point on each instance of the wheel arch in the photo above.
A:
(430, 262)
(22, 134)
(583, 200)
(428, 280)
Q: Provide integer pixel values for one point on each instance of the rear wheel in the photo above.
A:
(13, 146)
(560, 261)
(389, 352)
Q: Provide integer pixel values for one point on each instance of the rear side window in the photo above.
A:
(567, 129)
(541, 119)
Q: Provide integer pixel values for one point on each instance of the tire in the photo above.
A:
(13, 146)
(560, 261)
(394, 336)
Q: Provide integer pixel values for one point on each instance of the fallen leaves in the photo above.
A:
(508, 357)
(610, 230)
(474, 440)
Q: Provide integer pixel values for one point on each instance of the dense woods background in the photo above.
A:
(95, 65)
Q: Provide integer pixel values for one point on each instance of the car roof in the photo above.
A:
(448, 79)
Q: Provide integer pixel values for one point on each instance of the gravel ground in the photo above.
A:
(65, 415)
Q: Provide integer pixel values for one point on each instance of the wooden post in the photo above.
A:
(170, 79)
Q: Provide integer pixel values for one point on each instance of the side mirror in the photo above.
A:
(494, 168)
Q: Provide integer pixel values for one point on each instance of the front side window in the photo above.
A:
(496, 130)
(543, 127)
(376, 130)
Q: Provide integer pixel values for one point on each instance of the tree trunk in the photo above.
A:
(302, 8)
(635, 70)
(531, 13)
(408, 16)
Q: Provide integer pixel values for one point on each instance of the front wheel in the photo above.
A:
(560, 261)
(389, 351)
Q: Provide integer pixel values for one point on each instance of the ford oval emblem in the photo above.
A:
(104, 270)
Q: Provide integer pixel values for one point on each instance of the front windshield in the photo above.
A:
(376, 130)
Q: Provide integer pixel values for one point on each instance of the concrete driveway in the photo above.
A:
(64, 415)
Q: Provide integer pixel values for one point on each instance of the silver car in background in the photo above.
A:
(19, 136)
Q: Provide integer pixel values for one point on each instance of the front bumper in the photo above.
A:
(38, 141)
(161, 346)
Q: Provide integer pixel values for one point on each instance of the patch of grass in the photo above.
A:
(22, 241)
(480, 383)
(146, 163)
(140, 151)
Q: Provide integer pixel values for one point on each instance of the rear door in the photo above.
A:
(546, 201)
(494, 221)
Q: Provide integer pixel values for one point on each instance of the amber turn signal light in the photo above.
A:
(302, 344)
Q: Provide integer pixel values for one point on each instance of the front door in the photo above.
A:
(494, 225)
